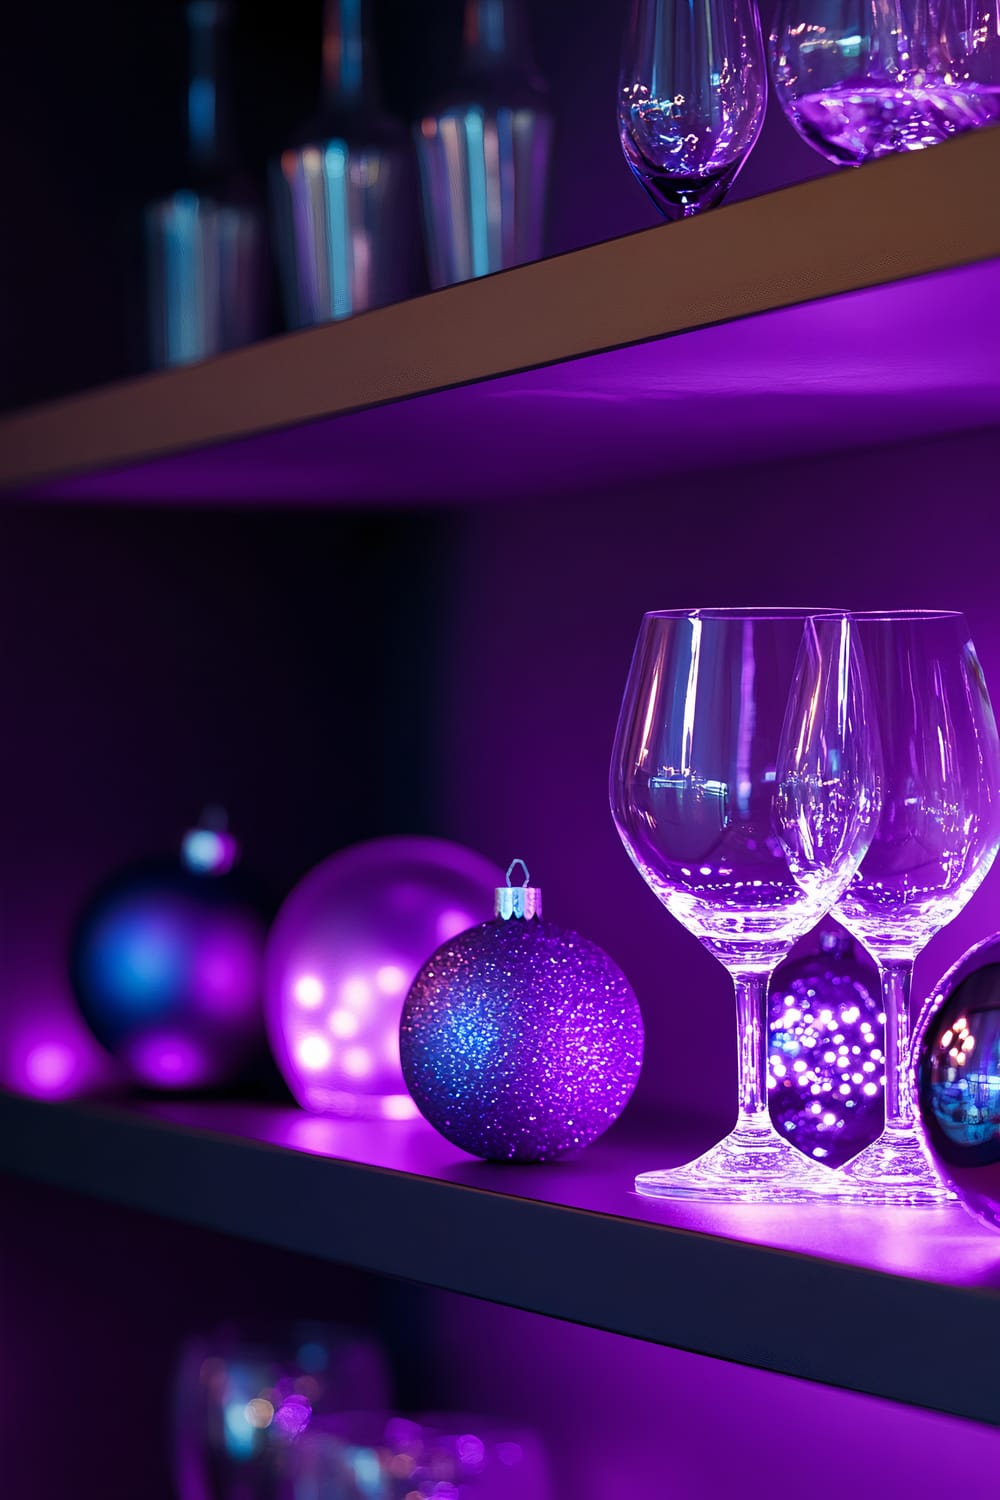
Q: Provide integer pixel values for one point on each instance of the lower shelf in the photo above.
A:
(902, 1305)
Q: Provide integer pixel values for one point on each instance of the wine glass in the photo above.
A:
(691, 99)
(744, 788)
(859, 80)
(937, 836)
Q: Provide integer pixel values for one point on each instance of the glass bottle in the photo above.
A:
(205, 243)
(484, 150)
(343, 193)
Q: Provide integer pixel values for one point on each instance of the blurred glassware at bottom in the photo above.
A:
(244, 1399)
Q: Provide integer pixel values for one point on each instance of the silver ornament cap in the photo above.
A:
(523, 901)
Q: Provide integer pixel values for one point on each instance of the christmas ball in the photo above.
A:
(826, 1050)
(520, 1041)
(166, 964)
(343, 951)
(956, 1080)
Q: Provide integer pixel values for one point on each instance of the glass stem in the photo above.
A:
(751, 1025)
(896, 978)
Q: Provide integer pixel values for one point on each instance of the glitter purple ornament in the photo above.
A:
(826, 1061)
(521, 1041)
(342, 953)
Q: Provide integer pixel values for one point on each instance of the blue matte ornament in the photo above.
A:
(166, 965)
(520, 1041)
(826, 1057)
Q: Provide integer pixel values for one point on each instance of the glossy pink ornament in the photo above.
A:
(343, 952)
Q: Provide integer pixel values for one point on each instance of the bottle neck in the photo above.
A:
(495, 35)
(209, 97)
(348, 65)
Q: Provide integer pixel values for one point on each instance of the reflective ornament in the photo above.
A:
(826, 1050)
(521, 1041)
(956, 1078)
(166, 965)
(343, 951)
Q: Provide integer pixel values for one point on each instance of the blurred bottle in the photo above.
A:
(343, 194)
(484, 152)
(205, 244)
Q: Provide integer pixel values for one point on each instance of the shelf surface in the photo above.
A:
(900, 1304)
(858, 308)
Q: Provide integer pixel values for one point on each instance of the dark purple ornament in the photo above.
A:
(520, 1041)
(826, 1050)
(167, 965)
(956, 1079)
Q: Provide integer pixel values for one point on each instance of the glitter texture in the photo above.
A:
(521, 1041)
(826, 1060)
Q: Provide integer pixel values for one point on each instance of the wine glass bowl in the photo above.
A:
(744, 789)
(691, 100)
(862, 81)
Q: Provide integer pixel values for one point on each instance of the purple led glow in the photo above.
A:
(48, 1054)
(342, 954)
(726, 394)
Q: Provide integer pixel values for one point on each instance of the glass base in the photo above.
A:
(891, 1170)
(748, 1166)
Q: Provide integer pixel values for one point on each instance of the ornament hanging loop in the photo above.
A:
(523, 901)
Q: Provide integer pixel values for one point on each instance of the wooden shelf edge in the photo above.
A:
(902, 217)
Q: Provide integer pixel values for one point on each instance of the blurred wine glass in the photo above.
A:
(691, 99)
(860, 80)
(744, 787)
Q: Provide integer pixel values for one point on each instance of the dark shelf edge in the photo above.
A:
(822, 1321)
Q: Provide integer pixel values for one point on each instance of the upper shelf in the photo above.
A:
(609, 367)
(901, 1304)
